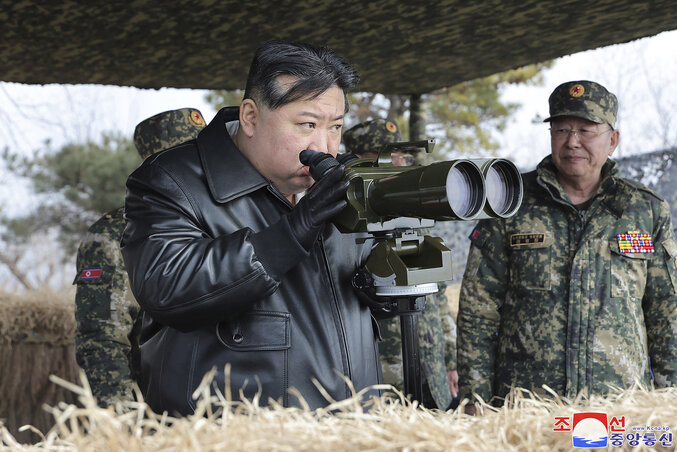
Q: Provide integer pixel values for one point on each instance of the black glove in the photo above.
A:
(322, 201)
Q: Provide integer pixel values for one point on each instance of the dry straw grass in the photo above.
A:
(389, 424)
(36, 341)
(41, 316)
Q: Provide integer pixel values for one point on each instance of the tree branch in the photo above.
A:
(11, 265)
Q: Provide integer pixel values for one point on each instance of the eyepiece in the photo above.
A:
(319, 163)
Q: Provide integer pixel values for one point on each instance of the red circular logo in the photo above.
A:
(577, 90)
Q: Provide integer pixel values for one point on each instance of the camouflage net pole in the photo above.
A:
(411, 358)
(416, 118)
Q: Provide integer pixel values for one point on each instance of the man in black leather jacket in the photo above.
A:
(232, 267)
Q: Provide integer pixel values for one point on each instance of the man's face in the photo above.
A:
(401, 158)
(580, 158)
(280, 135)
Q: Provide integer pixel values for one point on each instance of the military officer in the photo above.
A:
(578, 289)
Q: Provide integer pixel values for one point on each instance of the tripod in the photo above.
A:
(409, 310)
(407, 302)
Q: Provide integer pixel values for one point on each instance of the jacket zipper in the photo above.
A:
(581, 223)
(279, 196)
(569, 372)
(336, 305)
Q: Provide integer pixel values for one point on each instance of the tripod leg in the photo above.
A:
(411, 357)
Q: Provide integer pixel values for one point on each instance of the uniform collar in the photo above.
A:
(613, 194)
(229, 174)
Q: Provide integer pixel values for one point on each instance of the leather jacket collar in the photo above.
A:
(229, 173)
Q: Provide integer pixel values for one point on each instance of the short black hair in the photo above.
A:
(316, 68)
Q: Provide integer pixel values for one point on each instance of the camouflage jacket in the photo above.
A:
(437, 343)
(107, 315)
(548, 298)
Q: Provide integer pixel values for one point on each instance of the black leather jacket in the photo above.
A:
(213, 263)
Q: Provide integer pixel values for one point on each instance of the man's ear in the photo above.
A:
(249, 115)
(615, 138)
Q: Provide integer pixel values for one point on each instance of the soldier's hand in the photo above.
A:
(452, 376)
(323, 201)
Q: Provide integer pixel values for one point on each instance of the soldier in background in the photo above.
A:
(579, 288)
(366, 139)
(436, 326)
(107, 315)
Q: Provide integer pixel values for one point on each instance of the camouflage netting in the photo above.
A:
(36, 341)
(398, 47)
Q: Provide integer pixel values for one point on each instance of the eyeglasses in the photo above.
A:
(584, 135)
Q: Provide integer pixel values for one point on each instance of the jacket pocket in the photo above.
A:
(530, 266)
(259, 330)
(256, 345)
(628, 272)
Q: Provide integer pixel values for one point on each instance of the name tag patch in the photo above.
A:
(526, 239)
(634, 242)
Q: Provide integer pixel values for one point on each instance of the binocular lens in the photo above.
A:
(465, 190)
(497, 190)
(504, 188)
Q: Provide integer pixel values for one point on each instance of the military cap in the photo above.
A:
(583, 99)
(167, 129)
(369, 136)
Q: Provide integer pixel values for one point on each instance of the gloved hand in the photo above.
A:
(322, 201)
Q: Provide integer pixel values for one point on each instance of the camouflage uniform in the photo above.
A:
(108, 317)
(369, 137)
(436, 326)
(548, 297)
